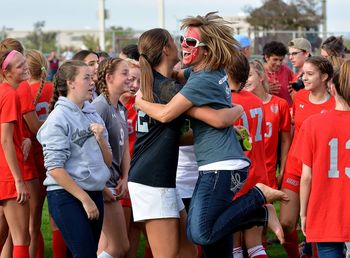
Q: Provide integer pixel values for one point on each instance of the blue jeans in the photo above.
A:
(330, 249)
(80, 234)
(214, 216)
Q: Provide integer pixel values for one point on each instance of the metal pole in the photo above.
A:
(101, 19)
(161, 14)
(324, 19)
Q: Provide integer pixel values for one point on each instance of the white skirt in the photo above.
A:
(154, 202)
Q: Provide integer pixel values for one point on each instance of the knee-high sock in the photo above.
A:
(105, 255)
(41, 246)
(291, 244)
(257, 252)
(59, 248)
(148, 252)
(199, 248)
(237, 252)
(20, 251)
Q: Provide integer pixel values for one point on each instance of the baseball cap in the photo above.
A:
(300, 43)
(244, 41)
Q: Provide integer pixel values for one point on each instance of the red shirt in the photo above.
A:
(132, 117)
(254, 120)
(43, 102)
(277, 119)
(324, 145)
(27, 105)
(42, 110)
(10, 112)
(302, 109)
(284, 76)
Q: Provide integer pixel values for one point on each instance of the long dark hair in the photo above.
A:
(151, 44)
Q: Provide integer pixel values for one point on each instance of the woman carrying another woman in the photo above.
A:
(153, 170)
(208, 46)
(77, 157)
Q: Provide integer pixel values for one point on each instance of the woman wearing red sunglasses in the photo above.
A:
(208, 47)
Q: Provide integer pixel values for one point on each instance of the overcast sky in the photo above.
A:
(137, 14)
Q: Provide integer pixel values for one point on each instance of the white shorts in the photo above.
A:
(154, 202)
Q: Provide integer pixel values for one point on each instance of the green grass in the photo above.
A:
(273, 250)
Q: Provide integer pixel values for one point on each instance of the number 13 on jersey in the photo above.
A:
(333, 171)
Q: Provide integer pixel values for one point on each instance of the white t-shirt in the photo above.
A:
(187, 171)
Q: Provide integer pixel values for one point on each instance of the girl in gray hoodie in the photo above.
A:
(77, 156)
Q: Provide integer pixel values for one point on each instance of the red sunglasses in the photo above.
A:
(191, 42)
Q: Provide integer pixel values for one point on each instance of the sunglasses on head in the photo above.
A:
(191, 42)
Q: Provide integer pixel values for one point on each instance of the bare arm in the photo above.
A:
(98, 129)
(179, 75)
(32, 121)
(122, 186)
(285, 144)
(7, 131)
(305, 187)
(164, 113)
(64, 179)
(218, 118)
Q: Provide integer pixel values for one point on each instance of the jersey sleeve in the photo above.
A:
(199, 92)
(285, 117)
(9, 108)
(187, 72)
(25, 95)
(304, 147)
(102, 110)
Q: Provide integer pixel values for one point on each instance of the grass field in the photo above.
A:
(273, 250)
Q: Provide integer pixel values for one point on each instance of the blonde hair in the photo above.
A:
(217, 36)
(343, 88)
(259, 69)
(336, 61)
(37, 65)
(11, 44)
(7, 45)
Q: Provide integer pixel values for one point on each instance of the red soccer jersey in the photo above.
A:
(132, 117)
(254, 120)
(302, 109)
(277, 119)
(27, 105)
(324, 145)
(284, 76)
(42, 110)
(10, 111)
(43, 102)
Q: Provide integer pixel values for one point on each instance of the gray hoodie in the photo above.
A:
(69, 143)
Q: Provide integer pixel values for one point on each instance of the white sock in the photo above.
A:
(104, 255)
(237, 252)
(256, 250)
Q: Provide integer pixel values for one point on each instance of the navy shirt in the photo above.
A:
(155, 157)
